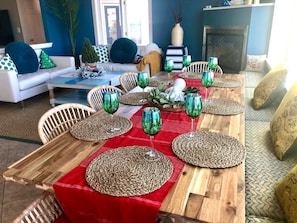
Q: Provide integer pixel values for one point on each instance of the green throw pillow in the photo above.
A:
(286, 192)
(45, 61)
(269, 87)
(6, 63)
(283, 124)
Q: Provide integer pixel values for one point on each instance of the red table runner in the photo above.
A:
(83, 204)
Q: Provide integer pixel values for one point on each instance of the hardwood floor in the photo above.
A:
(14, 198)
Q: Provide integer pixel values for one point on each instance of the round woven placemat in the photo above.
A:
(190, 75)
(96, 128)
(135, 98)
(222, 106)
(226, 83)
(125, 172)
(163, 80)
(209, 149)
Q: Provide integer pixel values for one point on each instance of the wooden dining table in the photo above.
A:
(199, 195)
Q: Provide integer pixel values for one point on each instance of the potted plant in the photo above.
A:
(89, 55)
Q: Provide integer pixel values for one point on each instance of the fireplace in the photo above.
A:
(228, 44)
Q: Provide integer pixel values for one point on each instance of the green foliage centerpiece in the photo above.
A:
(88, 53)
(161, 97)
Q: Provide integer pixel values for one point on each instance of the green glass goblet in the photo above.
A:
(168, 66)
(151, 125)
(207, 81)
(212, 63)
(111, 105)
(143, 80)
(193, 105)
(187, 59)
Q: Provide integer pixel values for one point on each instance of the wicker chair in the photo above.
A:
(128, 81)
(200, 66)
(44, 209)
(60, 118)
(95, 95)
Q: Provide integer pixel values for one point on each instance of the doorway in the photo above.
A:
(31, 21)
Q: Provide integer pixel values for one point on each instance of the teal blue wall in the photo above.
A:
(162, 23)
(56, 33)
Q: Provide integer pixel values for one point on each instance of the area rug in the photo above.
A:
(21, 123)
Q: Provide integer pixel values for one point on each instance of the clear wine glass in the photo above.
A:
(212, 63)
(187, 59)
(193, 105)
(207, 81)
(168, 66)
(151, 125)
(143, 80)
(111, 105)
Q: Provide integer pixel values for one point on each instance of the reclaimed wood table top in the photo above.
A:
(203, 194)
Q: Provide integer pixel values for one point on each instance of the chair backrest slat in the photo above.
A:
(60, 119)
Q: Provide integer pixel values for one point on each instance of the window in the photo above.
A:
(283, 47)
(122, 18)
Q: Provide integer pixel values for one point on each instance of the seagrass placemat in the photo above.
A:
(125, 172)
(162, 80)
(101, 127)
(190, 75)
(134, 98)
(222, 106)
(209, 149)
(226, 83)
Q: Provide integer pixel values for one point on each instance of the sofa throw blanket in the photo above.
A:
(154, 60)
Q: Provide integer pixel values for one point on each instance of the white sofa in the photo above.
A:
(16, 88)
(131, 67)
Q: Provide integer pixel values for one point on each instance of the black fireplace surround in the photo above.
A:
(228, 44)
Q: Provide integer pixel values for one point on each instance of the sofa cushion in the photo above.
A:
(23, 56)
(270, 87)
(283, 124)
(33, 79)
(45, 61)
(123, 50)
(102, 52)
(56, 71)
(286, 192)
(6, 63)
(255, 63)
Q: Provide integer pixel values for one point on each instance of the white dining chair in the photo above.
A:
(95, 95)
(200, 66)
(60, 119)
(128, 81)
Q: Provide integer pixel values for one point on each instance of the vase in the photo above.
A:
(177, 35)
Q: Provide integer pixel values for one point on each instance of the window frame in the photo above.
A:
(99, 22)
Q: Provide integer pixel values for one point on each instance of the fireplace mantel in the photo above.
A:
(238, 6)
(257, 18)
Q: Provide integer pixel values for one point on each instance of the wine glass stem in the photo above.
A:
(152, 141)
(192, 127)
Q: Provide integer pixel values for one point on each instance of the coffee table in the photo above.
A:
(73, 81)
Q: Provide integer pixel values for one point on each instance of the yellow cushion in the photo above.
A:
(286, 192)
(283, 124)
(270, 85)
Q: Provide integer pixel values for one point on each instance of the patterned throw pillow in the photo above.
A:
(283, 124)
(45, 61)
(255, 63)
(6, 63)
(102, 52)
(286, 192)
(271, 85)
